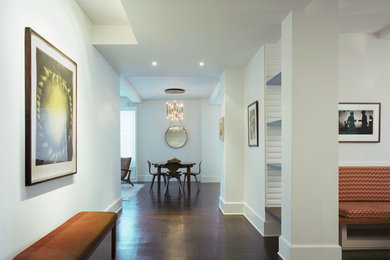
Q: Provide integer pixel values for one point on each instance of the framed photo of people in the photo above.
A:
(359, 122)
(253, 124)
(50, 111)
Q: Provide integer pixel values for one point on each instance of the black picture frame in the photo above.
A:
(253, 124)
(359, 122)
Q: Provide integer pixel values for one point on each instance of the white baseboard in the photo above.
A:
(116, 206)
(231, 208)
(206, 179)
(364, 163)
(266, 228)
(255, 219)
(272, 228)
(308, 252)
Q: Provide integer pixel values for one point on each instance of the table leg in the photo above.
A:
(158, 178)
(188, 179)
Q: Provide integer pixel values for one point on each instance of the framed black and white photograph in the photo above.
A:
(359, 122)
(253, 124)
(50, 108)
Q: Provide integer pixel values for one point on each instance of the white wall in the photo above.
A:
(254, 162)
(210, 142)
(364, 63)
(309, 152)
(231, 200)
(28, 213)
(201, 123)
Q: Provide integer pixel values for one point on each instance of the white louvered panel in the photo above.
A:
(274, 131)
(273, 144)
(274, 111)
(275, 177)
(274, 203)
(273, 147)
(272, 138)
(274, 161)
(273, 98)
(275, 108)
(275, 157)
(274, 92)
(274, 186)
(272, 59)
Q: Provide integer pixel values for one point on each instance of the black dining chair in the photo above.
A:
(173, 173)
(154, 174)
(194, 174)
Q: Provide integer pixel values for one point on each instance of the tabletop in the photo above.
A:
(184, 164)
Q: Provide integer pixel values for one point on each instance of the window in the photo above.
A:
(128, 137)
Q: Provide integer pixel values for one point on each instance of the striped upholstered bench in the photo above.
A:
(364, 199)
(76, 239)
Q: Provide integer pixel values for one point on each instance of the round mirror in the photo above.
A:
(176, 136)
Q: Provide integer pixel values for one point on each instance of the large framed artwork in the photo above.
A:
(359, 122)
(222, 129)
(253, 124)
(50, 111)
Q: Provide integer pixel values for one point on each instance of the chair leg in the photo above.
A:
(180, 186)
(165, 179)
(128, 178)
(151, 185)
(197, 183)
(167, 185)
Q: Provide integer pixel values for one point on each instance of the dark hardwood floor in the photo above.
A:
(157, 226)
(153, 226)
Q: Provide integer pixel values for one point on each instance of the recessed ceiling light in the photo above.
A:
(154, 63)
(201, 64)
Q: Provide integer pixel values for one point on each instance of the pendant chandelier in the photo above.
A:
(175, 111)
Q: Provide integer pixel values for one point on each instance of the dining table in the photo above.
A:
(186, 165)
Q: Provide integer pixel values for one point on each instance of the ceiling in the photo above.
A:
(178, 34)
(368, 16)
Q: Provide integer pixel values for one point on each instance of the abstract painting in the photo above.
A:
(50, 86)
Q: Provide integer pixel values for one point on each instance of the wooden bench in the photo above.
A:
(77, 238)
(364, 207)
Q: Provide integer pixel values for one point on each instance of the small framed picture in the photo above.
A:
(359, 122)
(253, 124)
(51, 111)
(222, 129)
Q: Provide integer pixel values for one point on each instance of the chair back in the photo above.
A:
(172, 168)
(150, 167)
(200, 165)
(125, 165)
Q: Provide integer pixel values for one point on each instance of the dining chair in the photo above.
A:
(154, 174)
(173, 173)
(194, 174)
(125, 170)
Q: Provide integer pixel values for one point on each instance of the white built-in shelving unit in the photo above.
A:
(273, 116)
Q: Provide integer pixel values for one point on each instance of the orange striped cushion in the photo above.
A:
(364, 209)
(364, 183)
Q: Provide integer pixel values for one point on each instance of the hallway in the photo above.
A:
(182, 227)
(153, 226)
